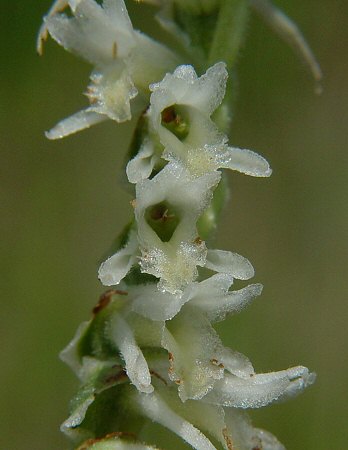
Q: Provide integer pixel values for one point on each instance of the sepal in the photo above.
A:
(260, 389)
(115, 268)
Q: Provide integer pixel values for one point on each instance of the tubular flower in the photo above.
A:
(180, 112)
(125, 60)
(173, 254)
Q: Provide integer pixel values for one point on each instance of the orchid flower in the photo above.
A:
(125, 60)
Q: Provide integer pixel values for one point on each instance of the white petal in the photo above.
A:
(115, 268)
(70, 354)
(117, 12)
(216, 285)
(153, 304)
(150, 60)
(234, 302)
(236, 363)
(91, 33)
(213, 297)
(157, 410)
(209, 90)
(77, 122)
(140, 167)
(259, 390)
(111, 91)
(136, 365)
(184, 87)
(228, 262)
(246, 161)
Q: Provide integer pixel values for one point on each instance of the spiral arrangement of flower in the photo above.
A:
(150, 351)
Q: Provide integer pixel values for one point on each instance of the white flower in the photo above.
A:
(198, 362)
(180, 113)
(233, 384)
(115, 268)
(180, 128)
(214, 382)
(141, 166)
(125, 60)
(171, 252)
(197, 356)
(167, 208)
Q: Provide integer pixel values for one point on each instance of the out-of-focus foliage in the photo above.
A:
(62, 205)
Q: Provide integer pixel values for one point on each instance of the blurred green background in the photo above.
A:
(62, 206)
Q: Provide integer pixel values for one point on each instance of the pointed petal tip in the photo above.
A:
(77, 122)
(105, 275)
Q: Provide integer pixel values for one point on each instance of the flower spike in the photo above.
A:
(150, 351)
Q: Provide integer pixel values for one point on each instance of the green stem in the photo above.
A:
(229, 32)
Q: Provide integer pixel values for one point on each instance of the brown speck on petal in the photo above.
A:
(216, 363)
(228, 439)
(171, 363)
